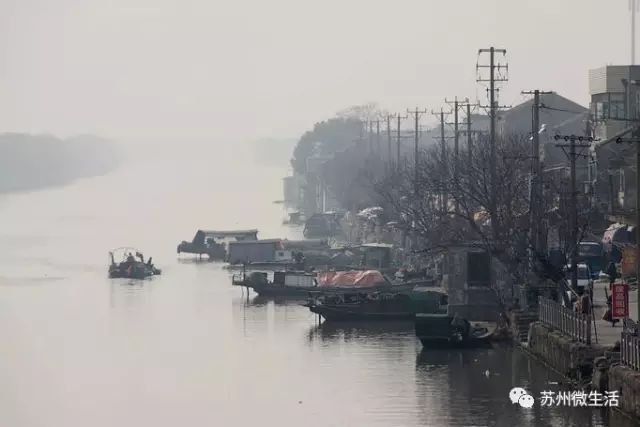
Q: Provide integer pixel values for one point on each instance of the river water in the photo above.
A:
(187, 349)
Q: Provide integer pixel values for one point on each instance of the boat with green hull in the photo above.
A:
(398, 303)
(298, 284)
(437, 327)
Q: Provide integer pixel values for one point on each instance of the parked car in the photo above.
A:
(584, 275)
(592, 254)
(585, 280)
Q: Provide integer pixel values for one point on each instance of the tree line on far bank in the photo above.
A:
(31, 162)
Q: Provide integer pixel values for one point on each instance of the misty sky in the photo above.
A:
(224, 71)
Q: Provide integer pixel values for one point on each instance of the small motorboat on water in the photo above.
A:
(436, 327)
(131, 266)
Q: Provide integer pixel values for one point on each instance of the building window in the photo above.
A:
(616, 110)
(601, 110)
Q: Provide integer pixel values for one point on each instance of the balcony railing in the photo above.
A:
(575, 325)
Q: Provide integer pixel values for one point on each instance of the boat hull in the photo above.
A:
(133, 275)
(297, 291)
(342, 314)
(139, 271)
(437, 331)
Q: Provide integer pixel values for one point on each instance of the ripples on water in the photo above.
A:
(187, 349)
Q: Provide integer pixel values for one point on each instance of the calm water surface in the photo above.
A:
(187, 349)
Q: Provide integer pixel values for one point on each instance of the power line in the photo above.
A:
(559, 109)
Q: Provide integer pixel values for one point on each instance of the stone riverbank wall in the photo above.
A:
(597, 364)
(572, 359)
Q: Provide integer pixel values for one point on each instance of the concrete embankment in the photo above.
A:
(627, 382)
(596, 365)
(572, 359)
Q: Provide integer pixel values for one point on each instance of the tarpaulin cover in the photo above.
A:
(618, 235)
(350, 279)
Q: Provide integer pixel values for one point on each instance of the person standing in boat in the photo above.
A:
(460, 325)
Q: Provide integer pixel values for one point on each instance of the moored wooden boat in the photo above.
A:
(301, 284)
(376, 306)
(435, 327)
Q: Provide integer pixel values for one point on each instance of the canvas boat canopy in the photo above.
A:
(351, 279)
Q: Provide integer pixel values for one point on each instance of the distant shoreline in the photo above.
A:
(37, 162)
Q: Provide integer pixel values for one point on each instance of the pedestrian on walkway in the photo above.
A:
(612, 272)
(608, 315)
(585, 303)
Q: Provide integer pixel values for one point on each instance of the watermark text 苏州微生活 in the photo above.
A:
(576, 398)
(580, 398)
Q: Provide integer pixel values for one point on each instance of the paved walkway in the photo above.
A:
(607, 334)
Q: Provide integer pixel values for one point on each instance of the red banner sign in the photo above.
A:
(620, 300)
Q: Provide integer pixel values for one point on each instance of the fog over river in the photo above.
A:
(185, 348)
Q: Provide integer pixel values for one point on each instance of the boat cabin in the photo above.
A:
(294, 279)
(225, 236)
(214, 243)
(376, 255)
(254, 251)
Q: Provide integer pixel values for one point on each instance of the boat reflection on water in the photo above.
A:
(359, 331)
(260, 301)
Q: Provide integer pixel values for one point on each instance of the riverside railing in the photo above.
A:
(630, 345)
(575, 325)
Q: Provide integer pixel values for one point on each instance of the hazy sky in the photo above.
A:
(206, 69)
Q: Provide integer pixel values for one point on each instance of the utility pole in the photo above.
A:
(416, 114)
(469, 132)
(390, 156)
(535, 200)
(493, 108)
(377, 137)
(370, 137)
(633, 6)
(583, 142)
(444, 196)
(456, 144)
(399, 118)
